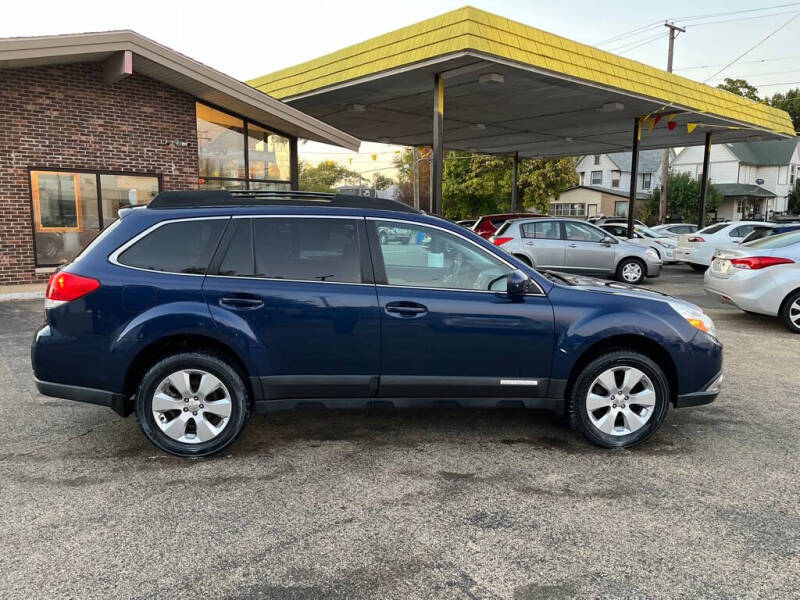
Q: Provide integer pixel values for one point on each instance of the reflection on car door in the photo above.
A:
(541, 241)
(444, 333)
(302, 289)
(585, 249)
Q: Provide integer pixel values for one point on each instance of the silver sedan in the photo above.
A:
(577, 247)
(761, 277)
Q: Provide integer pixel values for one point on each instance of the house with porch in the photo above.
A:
(613, 171)
(754, 178)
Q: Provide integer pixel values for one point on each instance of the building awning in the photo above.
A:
(511, 87)
(126, 52)
(736, 190)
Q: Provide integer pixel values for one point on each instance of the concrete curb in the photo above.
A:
(21, 296)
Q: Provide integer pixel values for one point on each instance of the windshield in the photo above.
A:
(776, 241)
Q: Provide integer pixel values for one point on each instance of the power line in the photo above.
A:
(761, 41)
(659, 37)
(735, 12)
(744, 62)
(629, 33)
(636, 43)
(778, 14)
(746, 75)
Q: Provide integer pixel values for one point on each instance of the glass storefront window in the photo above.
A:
(67, 208)
(223, 162)
(220, 143)
(124, 191)
(268, 154)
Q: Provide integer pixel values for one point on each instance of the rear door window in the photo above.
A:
(543, 230)
(307, 249)
(176, 247)
(713, 228)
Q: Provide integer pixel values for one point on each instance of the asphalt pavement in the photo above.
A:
(421, 504)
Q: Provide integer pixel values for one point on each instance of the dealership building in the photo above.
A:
(92, 123)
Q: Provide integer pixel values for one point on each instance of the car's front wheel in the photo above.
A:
(631, 270)
(619, 399)
(699, 268)
(790, 312)
(192, 404)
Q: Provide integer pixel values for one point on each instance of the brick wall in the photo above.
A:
(64, 116)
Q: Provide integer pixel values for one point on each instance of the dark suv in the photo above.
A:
(206, 306)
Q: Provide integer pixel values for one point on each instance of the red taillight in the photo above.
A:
(64, 287)
(759, 262)
(696, 239)
(499, 241)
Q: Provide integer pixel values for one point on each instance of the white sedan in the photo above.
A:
(761, 277)
(697, 249)
(646, 238)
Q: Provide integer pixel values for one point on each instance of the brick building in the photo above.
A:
(92, 123)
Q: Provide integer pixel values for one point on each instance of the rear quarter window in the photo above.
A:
(176, 247)
(713, 228)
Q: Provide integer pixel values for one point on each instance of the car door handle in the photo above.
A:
(241, 301)
(405, 310)
(530, 244)
(572, 245)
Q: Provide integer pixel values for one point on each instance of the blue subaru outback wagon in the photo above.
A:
(203, 307)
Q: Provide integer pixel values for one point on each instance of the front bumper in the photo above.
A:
(654, 268)
(116, 402)
(704, 396)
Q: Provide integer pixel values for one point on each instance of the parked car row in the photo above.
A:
(754, 265)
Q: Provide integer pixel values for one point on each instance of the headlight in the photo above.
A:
(651, 253)
(695, 316)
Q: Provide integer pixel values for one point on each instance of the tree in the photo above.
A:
(790, 102)
(474, 184)
(404, 162)
(683, 197)
(794, 199)
(740, 87)
(381, 181)
(323, 176)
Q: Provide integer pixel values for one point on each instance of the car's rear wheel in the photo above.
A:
(631, 270)
(699, 268)
(192, 404)
(619, 399)
(790, 312)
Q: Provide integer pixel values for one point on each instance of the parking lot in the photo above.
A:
(439, 504)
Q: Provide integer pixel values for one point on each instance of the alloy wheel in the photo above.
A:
(191, 406)
(632, 272)
(620, 400)
(794, 313)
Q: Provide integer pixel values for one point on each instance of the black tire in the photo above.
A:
(523, 258)
(231, 379)
(627, 261)
(698, 268)
(383, 239)
(787, 311)
(579, 418)
(405, 241)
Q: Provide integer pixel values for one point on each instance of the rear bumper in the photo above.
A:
(115, 402)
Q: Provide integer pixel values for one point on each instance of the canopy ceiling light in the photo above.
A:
(490, 78)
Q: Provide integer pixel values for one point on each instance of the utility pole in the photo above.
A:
(415, 158)
(662, 205)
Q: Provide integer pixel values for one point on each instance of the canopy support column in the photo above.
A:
(437, 162)
(701, 217)
(634, 176)
(515, 184)
(294, 165)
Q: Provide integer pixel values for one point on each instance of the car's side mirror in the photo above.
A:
(609, 240)
(517, 285)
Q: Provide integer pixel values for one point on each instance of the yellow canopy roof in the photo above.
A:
(475, 33)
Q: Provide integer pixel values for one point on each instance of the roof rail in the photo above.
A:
(221, 198)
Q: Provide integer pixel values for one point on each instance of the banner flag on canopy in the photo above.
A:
(690, 127)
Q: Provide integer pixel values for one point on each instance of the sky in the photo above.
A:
(246, 39)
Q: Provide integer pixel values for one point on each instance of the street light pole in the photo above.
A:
(662, 204)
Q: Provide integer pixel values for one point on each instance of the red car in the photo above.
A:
(486, 225)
